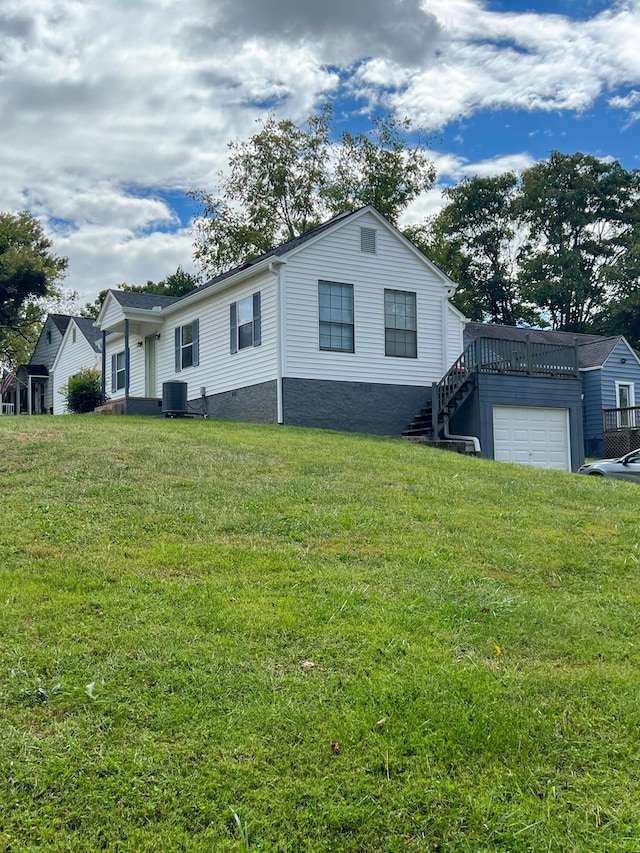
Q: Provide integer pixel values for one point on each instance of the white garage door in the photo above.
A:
(531, 436)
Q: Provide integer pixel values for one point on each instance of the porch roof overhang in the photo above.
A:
(33, 371)
(143, 318)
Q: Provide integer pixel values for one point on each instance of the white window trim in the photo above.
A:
(632, 393)
(121, 370)
(623, 418)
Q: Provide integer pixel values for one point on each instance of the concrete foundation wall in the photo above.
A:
(352, 406)
(254, 404)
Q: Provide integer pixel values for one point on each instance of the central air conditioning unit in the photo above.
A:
(174, 399)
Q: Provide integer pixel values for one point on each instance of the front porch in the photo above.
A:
(150, 406)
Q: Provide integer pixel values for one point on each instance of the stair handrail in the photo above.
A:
(458, 374)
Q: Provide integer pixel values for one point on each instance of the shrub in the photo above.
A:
(83, 391)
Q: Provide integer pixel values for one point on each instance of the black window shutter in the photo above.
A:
(257, 325)
(178, 349)
(233, 326)
(113, 373)
(195, 326)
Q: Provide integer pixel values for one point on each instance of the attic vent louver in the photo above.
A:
(368, 240)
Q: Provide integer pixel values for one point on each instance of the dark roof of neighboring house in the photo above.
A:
(34, 369)
(86, 326)
(593, 350)
(278, 250)
(61, 321)
(130, 299)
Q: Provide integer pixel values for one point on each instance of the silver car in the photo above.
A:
(625, 468)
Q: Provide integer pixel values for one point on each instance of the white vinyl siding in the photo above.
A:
(337, 257)
(455, 342)
(113, 313)
(71, 358)
(219, 370)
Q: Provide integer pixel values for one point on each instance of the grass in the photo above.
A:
(224, 637)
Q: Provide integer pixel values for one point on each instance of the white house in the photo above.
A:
(78, 349)
(345, 327)
(65, 345)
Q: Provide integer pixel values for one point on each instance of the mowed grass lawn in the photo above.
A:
(224, 637)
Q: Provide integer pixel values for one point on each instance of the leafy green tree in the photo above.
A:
(380, 169)
(558, 245)
(30, 277)
(473, 239)
(83, 391)
(581, 215)
(621, 317)
(287, 178)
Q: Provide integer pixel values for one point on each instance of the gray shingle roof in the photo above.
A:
(85, 324)
(130, 299)
(61, 321)
(278, 251)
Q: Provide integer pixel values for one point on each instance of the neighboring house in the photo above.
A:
(78, 349)
(345, 327)
(34, 390)
(533, 396)
(65, 345)
(610, 371)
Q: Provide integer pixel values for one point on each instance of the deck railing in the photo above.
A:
(518, 358)
(526, 358)
(7, 409)
(628, 418)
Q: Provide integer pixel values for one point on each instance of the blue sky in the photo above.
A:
(111, 112)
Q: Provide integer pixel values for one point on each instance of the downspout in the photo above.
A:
(275, 268)
(104, 366)
(126, 358)
(473, 438)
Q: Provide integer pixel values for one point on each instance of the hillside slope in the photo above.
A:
(223, 637)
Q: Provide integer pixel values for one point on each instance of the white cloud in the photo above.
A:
(520, 61)
(105, 256)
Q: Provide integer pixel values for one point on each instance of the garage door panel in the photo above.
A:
(532, 436)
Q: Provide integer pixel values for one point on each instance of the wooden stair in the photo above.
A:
(448, 395)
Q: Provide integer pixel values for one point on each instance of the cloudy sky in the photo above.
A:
(112, 109)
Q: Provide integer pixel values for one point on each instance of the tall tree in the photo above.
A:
(379, 168)
(30, 274)
(287, 178)
(581, 216)
(473, 239)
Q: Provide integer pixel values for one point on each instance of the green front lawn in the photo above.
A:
(224, 637)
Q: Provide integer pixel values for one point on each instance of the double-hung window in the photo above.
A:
(187, 345)
(118, 371)
(244, 323)
(336, 316)
(400, 327)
